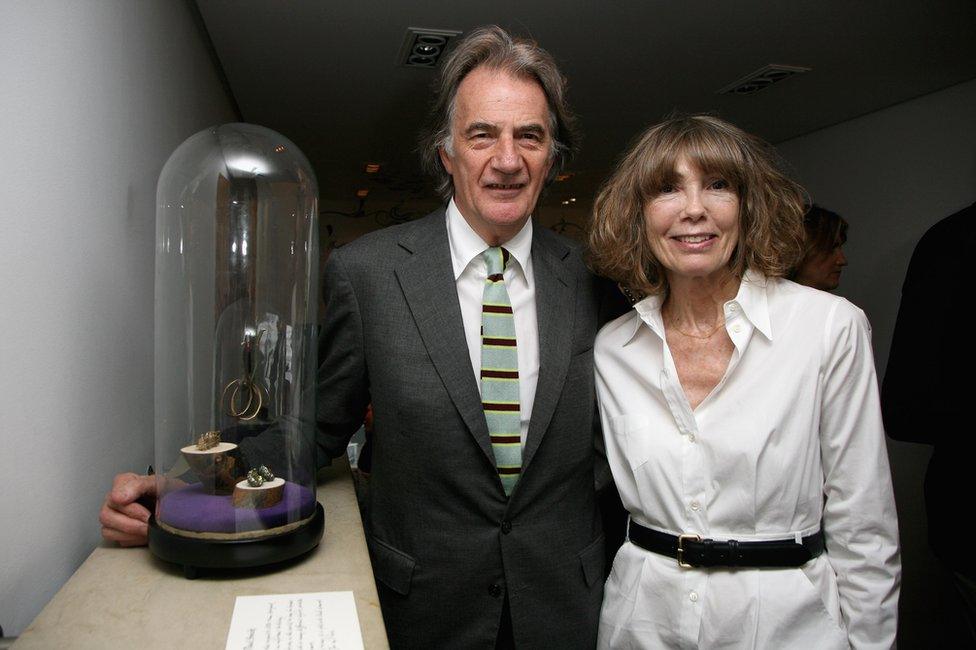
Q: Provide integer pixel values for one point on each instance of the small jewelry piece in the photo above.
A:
(674, 326)
(243, 398)
(208, 440)
(258, 490)
(703, 337)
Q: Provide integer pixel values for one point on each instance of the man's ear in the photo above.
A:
(446, 160)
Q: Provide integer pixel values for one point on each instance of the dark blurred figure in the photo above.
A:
(823, 257)
(926, 398)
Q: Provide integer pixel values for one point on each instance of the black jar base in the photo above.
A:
(195, 554)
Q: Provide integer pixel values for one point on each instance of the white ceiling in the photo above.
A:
(325, 73)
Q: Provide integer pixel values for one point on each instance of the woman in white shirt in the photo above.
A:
(740, 412)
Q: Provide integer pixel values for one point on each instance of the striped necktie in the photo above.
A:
(499, 370)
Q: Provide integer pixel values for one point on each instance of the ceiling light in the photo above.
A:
(372, 168)
(762, 78)
(423, 47)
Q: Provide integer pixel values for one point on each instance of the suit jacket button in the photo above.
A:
(506, 527)
(495, 590)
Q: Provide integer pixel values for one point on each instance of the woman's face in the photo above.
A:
(693, 225)
(822, 270)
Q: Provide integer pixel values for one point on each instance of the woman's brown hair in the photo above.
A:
(771, 205)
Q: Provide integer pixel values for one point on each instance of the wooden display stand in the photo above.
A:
(215, 467)
(265, 496)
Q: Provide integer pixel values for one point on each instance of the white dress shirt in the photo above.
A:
(470, 274)
(789, 440)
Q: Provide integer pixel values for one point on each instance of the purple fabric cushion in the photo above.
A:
(190, 508)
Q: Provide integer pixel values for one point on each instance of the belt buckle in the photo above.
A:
(681, 551)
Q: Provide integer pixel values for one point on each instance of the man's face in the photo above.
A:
(501, 151)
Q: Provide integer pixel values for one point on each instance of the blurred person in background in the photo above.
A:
(823, 255)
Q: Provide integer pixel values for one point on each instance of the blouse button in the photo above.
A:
(736, 328)
(695, 505)
(691, 437)
(693, 596)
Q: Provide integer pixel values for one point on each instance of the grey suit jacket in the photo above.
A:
(446, 544)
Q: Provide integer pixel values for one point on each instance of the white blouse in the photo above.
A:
(789, 440)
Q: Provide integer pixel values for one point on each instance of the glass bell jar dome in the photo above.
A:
(235, 355)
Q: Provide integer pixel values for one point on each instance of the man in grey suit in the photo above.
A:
(458, 562)
(480, 536)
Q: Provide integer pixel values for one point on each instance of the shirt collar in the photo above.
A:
(466, 244)
(751, 299)
(649, 312)
(754, 302)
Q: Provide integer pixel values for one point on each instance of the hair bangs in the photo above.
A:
(770, 203)
(716, 154)
(705, 146)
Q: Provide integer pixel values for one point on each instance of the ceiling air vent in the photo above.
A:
(423, 47)
(762, 78)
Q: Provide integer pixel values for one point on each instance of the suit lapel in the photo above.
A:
(555, 300)
(427, 280)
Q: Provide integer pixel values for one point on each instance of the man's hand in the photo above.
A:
(123, 519)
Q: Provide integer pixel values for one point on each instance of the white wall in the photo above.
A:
(892, 174)
(94, 96)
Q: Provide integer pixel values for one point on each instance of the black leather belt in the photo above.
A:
(693, 551)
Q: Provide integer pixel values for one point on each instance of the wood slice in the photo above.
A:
(215, 467)
(265, 496)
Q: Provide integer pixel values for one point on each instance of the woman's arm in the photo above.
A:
(859, 520)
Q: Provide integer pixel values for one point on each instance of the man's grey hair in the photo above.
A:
(494, 48)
